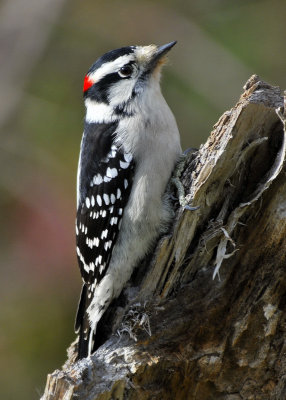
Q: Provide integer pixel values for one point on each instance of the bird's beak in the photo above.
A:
(162, 50)
(158, 56)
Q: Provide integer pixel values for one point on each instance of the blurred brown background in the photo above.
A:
(46, 47)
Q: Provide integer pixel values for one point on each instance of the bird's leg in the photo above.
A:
(175, 180)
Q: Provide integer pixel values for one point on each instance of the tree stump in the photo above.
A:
(204, 317)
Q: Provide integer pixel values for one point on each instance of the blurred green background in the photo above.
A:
(46, 47)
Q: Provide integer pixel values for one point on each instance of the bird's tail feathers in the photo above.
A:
(82, 326)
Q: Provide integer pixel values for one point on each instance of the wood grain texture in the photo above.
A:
(204, 317)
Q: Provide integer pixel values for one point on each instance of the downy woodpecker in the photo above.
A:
(129, 148)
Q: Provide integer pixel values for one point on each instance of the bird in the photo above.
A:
(129, 148)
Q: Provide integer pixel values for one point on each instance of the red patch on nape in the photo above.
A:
(87, 83)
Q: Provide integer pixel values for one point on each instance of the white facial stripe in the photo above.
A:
(98, 112)
(120, 91)
(111, 66)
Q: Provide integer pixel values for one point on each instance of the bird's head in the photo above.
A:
(118, 78)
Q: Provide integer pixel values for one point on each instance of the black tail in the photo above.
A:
(82, 324)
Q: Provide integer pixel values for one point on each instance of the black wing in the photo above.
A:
(105, 181)
(105, 184)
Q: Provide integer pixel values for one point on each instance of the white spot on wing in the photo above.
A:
(118, 193)
(101, 268)
(123, 164)
(85, 266)
(97, 179)
(113, 221)
(99, 200)
(98, 260)
(106, 198)
(111, 172)
(104, 234)
(107, 245)
(112, 198)
(128, 157)
(87, 202)
(112, 153)
(125, 183)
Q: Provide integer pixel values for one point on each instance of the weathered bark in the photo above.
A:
(221, 338)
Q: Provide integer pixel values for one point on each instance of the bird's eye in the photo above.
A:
(125, 71)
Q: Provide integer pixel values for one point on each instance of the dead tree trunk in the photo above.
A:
(205, 317)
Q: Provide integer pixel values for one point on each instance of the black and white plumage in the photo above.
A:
(128, 151)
